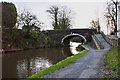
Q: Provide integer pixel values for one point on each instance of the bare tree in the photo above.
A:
(111, 15)
(28, 21)
(54, 12)
(65, 18)
(95, 25)
(61, 17)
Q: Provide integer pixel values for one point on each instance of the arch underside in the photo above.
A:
(66, 39)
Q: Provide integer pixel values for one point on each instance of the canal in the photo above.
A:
(26, 63)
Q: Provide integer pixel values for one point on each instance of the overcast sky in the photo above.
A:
(83, 10)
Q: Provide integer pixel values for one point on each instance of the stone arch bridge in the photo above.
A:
(65, 40)
(64, 36)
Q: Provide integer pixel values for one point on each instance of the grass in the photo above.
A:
(111, 62)
(58, 66)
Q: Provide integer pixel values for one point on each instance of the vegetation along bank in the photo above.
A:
(112, 63)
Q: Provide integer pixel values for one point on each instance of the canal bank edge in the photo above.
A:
(58, 66)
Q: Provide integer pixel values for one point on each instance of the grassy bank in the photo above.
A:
(58, 66)
(111, 62)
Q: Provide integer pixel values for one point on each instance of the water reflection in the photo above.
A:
(37, 64)
(66, 50)
(73, 46)
(26, 63)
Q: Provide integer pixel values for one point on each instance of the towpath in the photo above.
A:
(88, 66)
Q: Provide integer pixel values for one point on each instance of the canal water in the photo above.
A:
(26, 63)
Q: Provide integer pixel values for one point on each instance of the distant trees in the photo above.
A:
(25, 18)
(95, 25)
(9, 15)
(28, 22)
(61, 17)
(111, 15)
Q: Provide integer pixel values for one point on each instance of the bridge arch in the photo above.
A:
(65, 40)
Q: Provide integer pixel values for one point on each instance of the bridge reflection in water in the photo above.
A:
(73, 46)
(26, 63)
